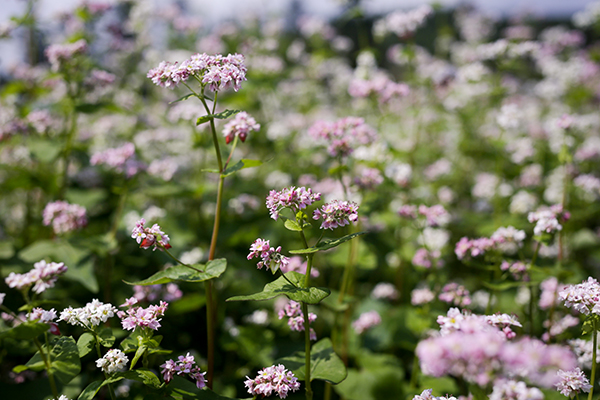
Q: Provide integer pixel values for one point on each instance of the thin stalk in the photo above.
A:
(286, 278)
(235, 141)
(68, 148)
(595, 345)
(180, 262)
(46, 361)
(119, 212)
(309, 393)
(531, 294)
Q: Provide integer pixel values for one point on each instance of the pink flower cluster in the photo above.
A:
(380, 86)
(583, 297)
(215, 72)
(456, 321)
(572, 382)
(240, 126)
(456, 294)
(293, 311)
(274, 379)
(368, 178)
(508, 389)
(427, 395)
(434, 216)
(506, 240)
(293, 198)
(64, 217)
(58, 54)
(336, 213)
(518, 269)
(184, 366)
(122, 159)
(483, 356)
(148, 237)
(549, 293)
(548, 219)
(343, 135)
(43, 276)
(142, 317)
(366, 321)
(425, 258)
(270, 257)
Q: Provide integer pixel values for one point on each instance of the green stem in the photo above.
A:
(594, 349)
(46, 360)
(99, 352)
(119, 212)
(531, 294)
(235, 141)
(309, 393)
(68, 148)
(286, 278)
(180, 262)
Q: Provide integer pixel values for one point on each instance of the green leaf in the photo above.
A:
(64, 356)
(44, 150)
(327, 244)
(85, 344)
(138, 353)
(222, 115)
(182, 389)
(145, 376)
(213, 269)
(25, 331)
(243, 163)
(90, 391)
(187, 96)
(107, 339)
(281, 286)
(7, 250)
(292, 225)
(324, 363)
(500, 287)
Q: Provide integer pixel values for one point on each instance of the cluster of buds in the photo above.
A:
(150, 237)
(273, 379)
(240, 126)
(215, 72)
(270, 257)
(293, 311)
(64, 217)
(185, 365)
(42, 276)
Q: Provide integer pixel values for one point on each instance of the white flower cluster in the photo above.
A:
(113, 361)
(92, 314)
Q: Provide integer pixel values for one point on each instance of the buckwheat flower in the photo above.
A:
(59, 54)
(274, 379)
(143, 317)
(92, 314)
(150, 237)
(270, 257)
(384, 290)
(64, 217)
(295, 199)
(43, 276)
(41, 315)
(514, 390)
(169, 292)
(122, 159)
(366, 321)
(456, 294)
(368, 178)
(584, 351)
(421, 296)
(63, 397)
(572, 382)
(336, 213)
(548, 219)
(113, 361)
(508, 239)
(2, 295)
(518, 269)
(293, 311)
(424, 258)
(240, 126)
(435, 215)
(343, 135)
(583, 297)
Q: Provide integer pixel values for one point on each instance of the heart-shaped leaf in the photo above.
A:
(213, 269)
(324, 363)
(292, 291)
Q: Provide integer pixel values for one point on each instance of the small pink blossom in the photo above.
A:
(336, 213)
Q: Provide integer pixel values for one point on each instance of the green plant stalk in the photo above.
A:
(46, 361)
(119, 212)
(309, 392)
(208, 285)
(110, 389)
(531, 294)
(594, 349)
(174, 258)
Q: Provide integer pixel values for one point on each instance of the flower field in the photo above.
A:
(396, 206)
